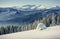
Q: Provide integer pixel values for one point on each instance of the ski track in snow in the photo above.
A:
(49, 33)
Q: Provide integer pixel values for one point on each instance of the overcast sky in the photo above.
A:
(6, 3)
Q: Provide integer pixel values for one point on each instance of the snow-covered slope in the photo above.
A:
(49, 33)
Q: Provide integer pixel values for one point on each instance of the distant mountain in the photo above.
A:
(25, 14)
(32, 7)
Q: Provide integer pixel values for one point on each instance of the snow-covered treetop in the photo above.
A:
(41, 26)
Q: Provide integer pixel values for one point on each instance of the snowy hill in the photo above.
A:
(49, 33)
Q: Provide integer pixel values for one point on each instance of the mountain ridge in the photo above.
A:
(16, 15)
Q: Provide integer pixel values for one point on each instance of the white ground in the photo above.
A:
(49, 33)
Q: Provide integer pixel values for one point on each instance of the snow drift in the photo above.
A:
(49, 33)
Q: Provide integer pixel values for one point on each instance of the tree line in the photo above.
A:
(49, 20)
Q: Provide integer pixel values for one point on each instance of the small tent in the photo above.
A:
(41, 26)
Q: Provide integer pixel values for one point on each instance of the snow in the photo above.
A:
(32, 7)
(49, 33)
(40, 7)
(41, 26)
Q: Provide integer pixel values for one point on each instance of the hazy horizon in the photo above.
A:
(10, 3)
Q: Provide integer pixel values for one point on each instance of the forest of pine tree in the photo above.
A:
(49, 20)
